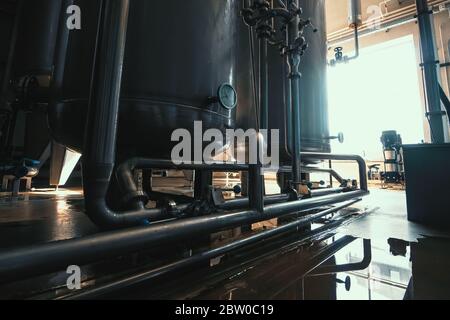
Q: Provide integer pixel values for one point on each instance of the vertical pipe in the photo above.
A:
(101, 132)
(430, 66)
(203, 180)
(354, 14)
(62, 44)
(287, 106)
(256, 176)
(256, 188)
(294, 79)
(264, 82)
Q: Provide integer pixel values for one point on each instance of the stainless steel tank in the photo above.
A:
(178, 54)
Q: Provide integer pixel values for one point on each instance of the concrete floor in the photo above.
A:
(399, 248)
(40, 217)
(388, 219)
(409, 261)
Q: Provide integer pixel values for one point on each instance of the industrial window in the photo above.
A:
(379, 91)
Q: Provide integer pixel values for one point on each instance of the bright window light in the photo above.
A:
(379, 91)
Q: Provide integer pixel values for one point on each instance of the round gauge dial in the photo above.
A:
(227, 96)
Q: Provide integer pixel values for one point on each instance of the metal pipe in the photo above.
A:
(354, 13)
(203, 181)
(445, 100)
(240, 203)
(263, 31)
(156, 214)
(256, 176)
(333, 174)
(430, 67)
(288, 108)
(355, 21)
(277, 210)
(294, 59)
(101, 133)
(132, 197)
(326, 191)
(205, 256)
(244, 202)
(362, 168)
(144, 163)
(54, 256)
(256, 188)
(331, 171)
(264, 83)
(62, 43)
(356, 55)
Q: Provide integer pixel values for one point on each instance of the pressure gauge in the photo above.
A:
(227, 96)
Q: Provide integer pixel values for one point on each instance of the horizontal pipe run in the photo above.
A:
(326, 191)
(142, 163)
(321, 170)
(54, 256)
(336, 157)
(211, 254)
(277, 210)
(240, 203)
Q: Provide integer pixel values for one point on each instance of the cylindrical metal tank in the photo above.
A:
(313, 87)
(178, 54)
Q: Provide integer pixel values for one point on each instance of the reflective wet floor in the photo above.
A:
(407, 261)
(399, 270)
(42, 216)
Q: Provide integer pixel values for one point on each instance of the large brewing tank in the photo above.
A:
(313, 87)
(178, 54)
